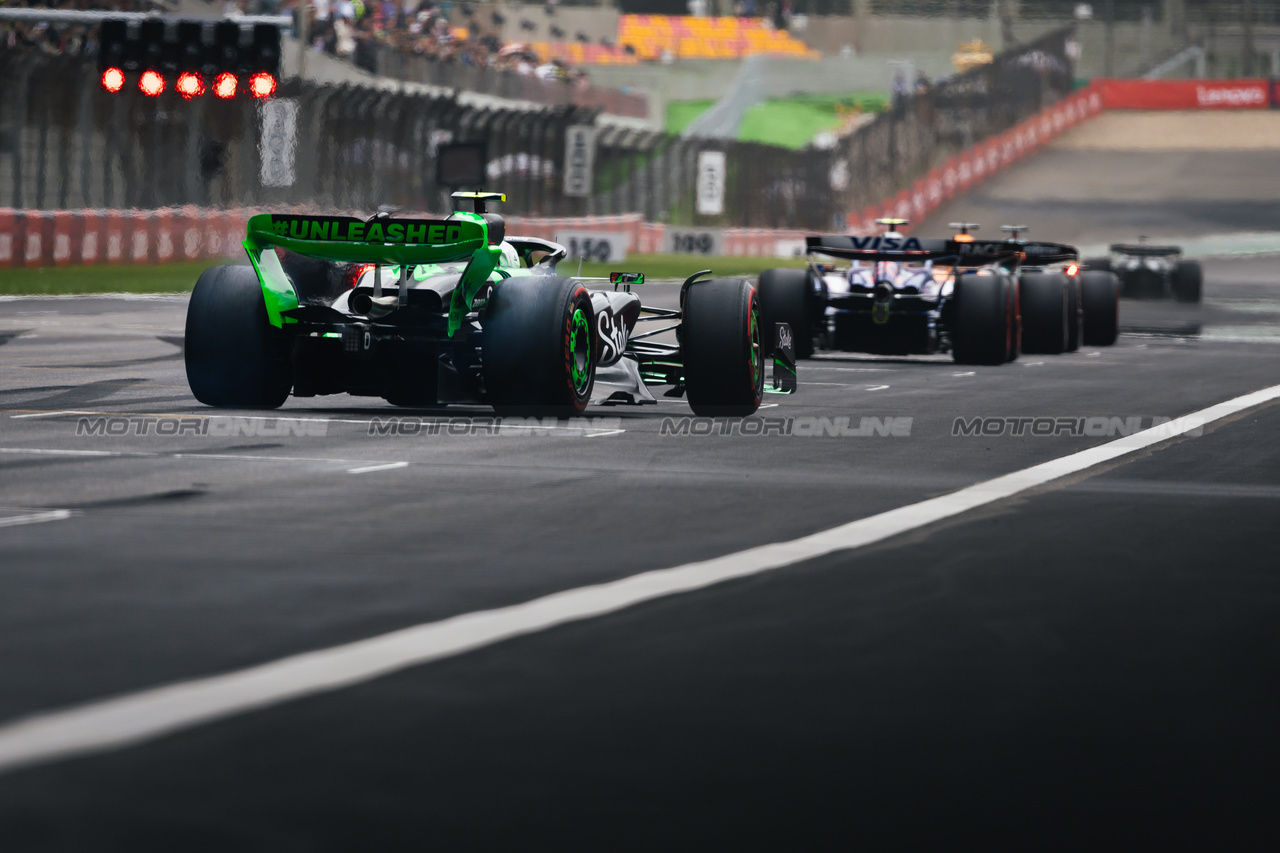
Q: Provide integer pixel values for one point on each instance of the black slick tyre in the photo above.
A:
(785, 298)
(1045, 305)
(234, 357)
(982, 330)
(1188, 280)
(1097, 264)
(539, 349)
(1015, 322)
(1075, 314)
(721, 342)
(1100, 296)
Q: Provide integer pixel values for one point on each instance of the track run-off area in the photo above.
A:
(306, 630)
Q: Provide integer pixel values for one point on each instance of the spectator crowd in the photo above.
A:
(444, 32)
(63, 38)
(355, 30)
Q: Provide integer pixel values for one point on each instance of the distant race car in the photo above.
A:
(1089, 313)
(1152, 272)
(429, 311)
(905, 295)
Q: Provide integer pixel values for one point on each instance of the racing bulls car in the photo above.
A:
(1062, 305)
(1152, 272)
(429, 311)
(903, 295)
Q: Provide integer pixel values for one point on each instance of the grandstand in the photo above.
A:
(578, 53)
(690, 37)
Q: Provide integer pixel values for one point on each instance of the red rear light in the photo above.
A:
(1073, 269)
(112, 80)
(262, 85)
(224, 85)
(151, 83)
(190, 85)
(357, 273)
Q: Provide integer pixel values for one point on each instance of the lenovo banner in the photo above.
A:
(1246, 94)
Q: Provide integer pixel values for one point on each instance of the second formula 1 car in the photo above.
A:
(422, 312)
(1152, 272)
(903, 295)
(1063, 305)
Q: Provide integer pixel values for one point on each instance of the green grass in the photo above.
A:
(106, 278)
(792, 122)
(788, 122)
(181, 277)
(680, 114)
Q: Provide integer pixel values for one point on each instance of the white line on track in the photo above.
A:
(135, 718)
(966, 373)
(286, 417)
(876, 387)
(145, 454)
(385, 466)
(36, 517)
(812, 366)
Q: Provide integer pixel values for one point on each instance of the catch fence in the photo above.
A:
(65, 144)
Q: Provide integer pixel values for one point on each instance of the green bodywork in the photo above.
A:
(463, 237)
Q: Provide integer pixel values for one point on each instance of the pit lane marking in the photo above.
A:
(135, 718)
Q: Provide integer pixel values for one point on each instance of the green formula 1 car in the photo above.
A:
(422, 312)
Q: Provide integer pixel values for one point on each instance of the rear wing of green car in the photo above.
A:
(470, 237)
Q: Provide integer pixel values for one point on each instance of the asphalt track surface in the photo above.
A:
(1092, 661)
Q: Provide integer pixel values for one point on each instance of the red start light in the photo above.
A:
(262, 85)
(151, 83)
(1073, 269)
(224, 85)
(113, 80)
(190, 85)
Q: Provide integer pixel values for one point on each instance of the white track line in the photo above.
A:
(36, 517)
(385, 466)
(442, 419)
(147, 454)
(148, 714)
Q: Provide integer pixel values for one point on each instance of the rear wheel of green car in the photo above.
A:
(234, 357)
(539, 349)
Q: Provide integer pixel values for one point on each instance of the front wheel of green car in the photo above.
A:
(720, 339)
(539, 348)
(235, 358)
